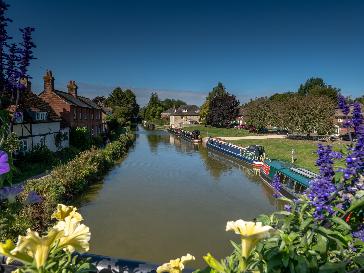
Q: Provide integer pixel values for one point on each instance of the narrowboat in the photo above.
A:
(294, 180)
(252, 155)
(193, 136)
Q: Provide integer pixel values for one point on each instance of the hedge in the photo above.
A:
(62, 185)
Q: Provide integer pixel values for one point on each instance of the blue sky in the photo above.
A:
(182, 48)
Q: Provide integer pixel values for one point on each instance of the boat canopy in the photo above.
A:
(289, 171)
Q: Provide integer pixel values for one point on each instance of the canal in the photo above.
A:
(169, 197)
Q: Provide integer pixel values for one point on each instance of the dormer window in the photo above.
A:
(184, 110)
(41, 116)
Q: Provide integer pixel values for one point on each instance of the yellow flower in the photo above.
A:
(251, 233)
(35, 247)
(175, 266)
(76, 236)
(6, 250)
(64, 211)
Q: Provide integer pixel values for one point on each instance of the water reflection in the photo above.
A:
(170, 197)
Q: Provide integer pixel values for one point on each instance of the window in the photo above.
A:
(23, 145)
(41, 115)
(80, 114)
(74, 113)
(92, 115)
(85, 115)
(18, 117)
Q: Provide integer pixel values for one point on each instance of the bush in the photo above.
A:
(39, 153)
(62, 185)
(80, 138)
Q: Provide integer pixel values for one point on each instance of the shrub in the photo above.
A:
(63, 184)
(80, 138)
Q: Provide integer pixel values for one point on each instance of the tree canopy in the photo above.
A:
(223, 109)
(154, 108)
(317, 87)
(218, 90)
(123, 104)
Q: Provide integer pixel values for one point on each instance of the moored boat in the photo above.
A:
(294, 180)
(193, 136)
(252, 155)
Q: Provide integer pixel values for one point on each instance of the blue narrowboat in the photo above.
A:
(294, 180)
(253, 155)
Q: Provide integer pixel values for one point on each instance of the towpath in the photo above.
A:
(255, 137)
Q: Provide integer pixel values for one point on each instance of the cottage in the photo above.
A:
(184, 115)
(37, 124)
(75, 110)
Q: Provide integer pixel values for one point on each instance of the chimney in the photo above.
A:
(48, 81)
(72, 88)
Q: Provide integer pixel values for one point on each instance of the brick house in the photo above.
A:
(37, 124)
(75, 110)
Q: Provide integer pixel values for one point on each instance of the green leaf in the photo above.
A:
(341, 223)
(356, 204)
(333, 268)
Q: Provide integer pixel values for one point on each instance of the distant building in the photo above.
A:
(37, 124)
(166, 114)
(240, 118)
(105, 113)
(339, 120)
(184, 115)
(75, 110)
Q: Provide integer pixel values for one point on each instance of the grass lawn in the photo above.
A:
(305, 151)
(218, 132)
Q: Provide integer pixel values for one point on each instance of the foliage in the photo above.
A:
(53, 252)
(63, 184)
(172, 103)
(80, 137)
(100, 100)
(218, 90)
(124, 106)
(223, 109)
(317, 87)
(59, 138)
(39, 153)
(295, 113)
(154, 108)
(206, 131)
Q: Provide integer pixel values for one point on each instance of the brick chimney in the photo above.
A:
(48, 81)
(72, 88)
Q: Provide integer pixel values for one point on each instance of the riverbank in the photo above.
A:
(62, 185)
(281, 149)
(219, 132)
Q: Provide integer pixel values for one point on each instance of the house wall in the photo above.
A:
(179, 121)
(85, 117)
(31, 135)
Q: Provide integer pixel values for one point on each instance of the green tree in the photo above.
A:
(223, 109)
(317, 87)
(218, 90)
(172, 103)
(124, 106)
(154, 108)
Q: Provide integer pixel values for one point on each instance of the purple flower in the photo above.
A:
(322, 187)
(287, 207)
(4, 163)
(343, 105)
(359, 233)
(33, 198)
(10, 192)
(276, 183)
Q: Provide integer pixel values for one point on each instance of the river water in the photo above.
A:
(169, 197)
